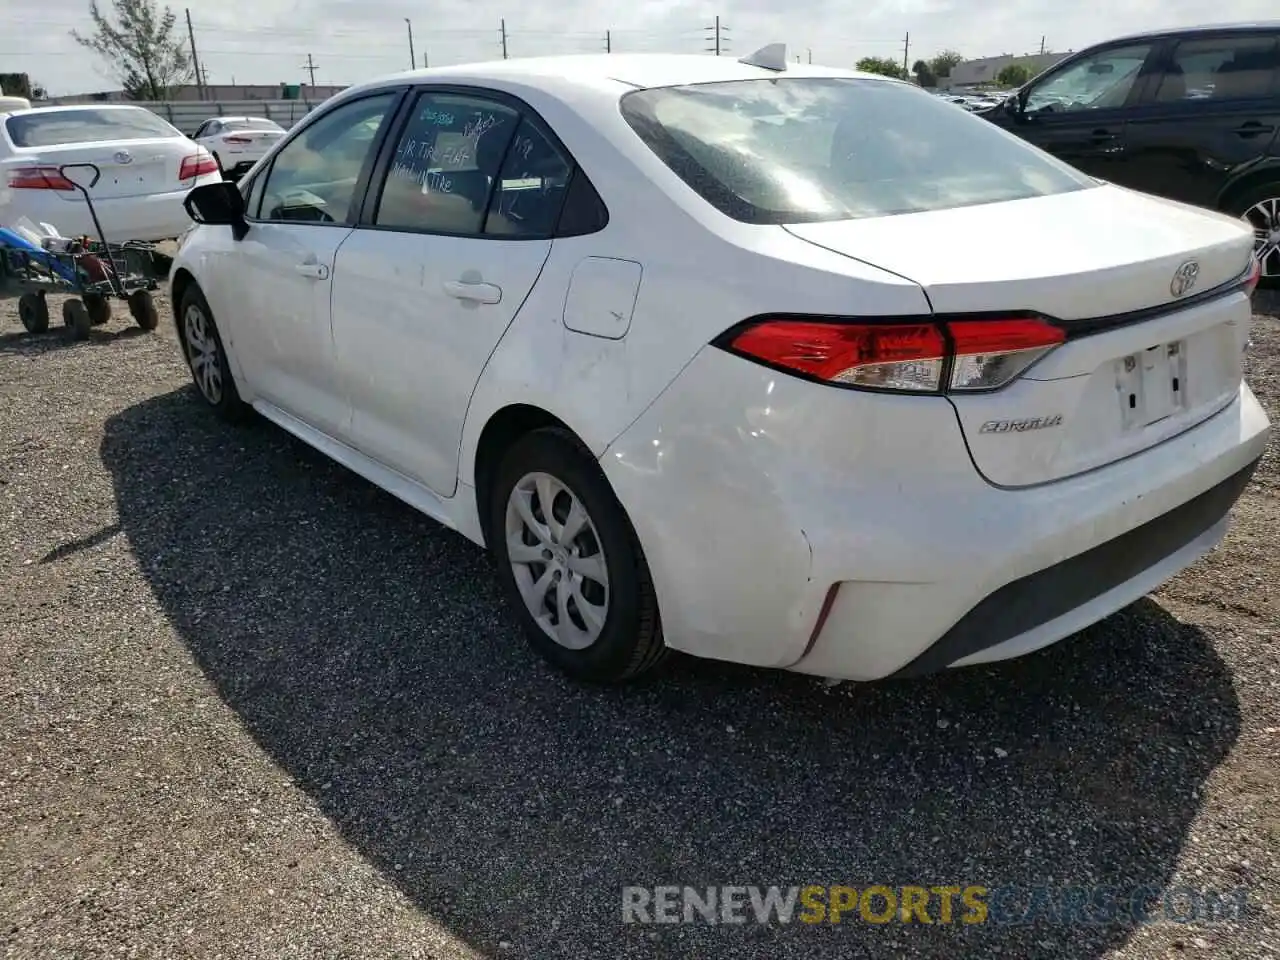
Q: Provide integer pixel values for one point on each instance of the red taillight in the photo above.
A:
(197, 165)
(38, 178)
(1254, 275)
(231, 139)
(920, 356)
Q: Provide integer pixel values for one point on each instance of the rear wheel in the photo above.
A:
(1260, 208)
(75, 316)
(33, 311)
(202, 346)
(571, 562)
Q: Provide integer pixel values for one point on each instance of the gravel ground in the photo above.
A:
(252, 707)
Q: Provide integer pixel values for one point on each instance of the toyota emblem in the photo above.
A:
(1184, 278)
(123, 156)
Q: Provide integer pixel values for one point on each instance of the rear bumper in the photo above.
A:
(159, 216)
(1037, 609)
(793, 525)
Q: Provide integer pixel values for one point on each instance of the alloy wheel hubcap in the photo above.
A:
(202, 353)
(558, 560)
(1264, 217)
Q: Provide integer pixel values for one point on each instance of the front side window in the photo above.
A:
(809, 149)
(313, 178)
(1099, 81)
(445, 163)
(1231, 68)
(52, 128)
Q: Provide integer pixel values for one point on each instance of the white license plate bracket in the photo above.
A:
(1152, 385)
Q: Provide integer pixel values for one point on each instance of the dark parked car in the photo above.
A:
(1188, 114)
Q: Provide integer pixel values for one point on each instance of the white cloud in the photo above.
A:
(267, 41)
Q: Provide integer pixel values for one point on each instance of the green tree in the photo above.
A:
(885, 66)
(140, 42)
(941, 65)
(924, 75)
(1013, 75)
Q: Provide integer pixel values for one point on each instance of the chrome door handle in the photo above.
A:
(312, 271)
(477, 292)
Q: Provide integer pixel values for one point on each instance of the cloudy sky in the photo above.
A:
(267, 41)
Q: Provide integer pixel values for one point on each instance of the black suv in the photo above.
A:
(1188, 114)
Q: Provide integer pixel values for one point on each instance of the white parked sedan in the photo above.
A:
(237, 143)
(714, 356)
(144, 169)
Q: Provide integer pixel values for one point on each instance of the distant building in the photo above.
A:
(218, 92)
(973, 73)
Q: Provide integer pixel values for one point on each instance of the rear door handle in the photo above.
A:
(1103, 135)
(312, 271)
(1252, 129)
(475, 292)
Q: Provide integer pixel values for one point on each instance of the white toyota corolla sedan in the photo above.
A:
(770, 363)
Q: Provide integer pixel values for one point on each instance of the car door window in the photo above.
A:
(531, 187)
(1101, 80)
(1226, 68)
(445, 164)
(203, 130)
(313, 178)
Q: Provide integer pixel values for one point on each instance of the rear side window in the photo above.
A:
(1227, 68)
(53, 128)
(531, 187)
(809, 149)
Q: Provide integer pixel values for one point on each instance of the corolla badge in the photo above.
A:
(1184, 278)
(123, 156)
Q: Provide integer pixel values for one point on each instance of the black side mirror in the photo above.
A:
(218, 204)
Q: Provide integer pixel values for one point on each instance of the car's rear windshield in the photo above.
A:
(808, 149)
(51, 128)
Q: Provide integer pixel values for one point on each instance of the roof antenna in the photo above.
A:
(772, 57)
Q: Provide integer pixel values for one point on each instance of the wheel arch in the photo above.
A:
(178, 287)
(503, 428)
(1249, 181)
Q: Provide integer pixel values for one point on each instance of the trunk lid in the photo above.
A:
(130, 168)
(255, 139)
(1142, 364)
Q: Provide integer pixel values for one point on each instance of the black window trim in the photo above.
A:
(523, 111)
(389, 121)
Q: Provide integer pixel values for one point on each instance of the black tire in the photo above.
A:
(630, 643)
(99, 308)
(1240, 204)
(33, 311)
(142, 307)
(75, 317)
(203, 346)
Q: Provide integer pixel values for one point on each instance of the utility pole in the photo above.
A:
(413, 59)
(810, 54)
(504, 38)
(716, 32)
(608, 42)
(424, 60)
(195, 60)
(906, 47)
(1042, 46)
(310, 67)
